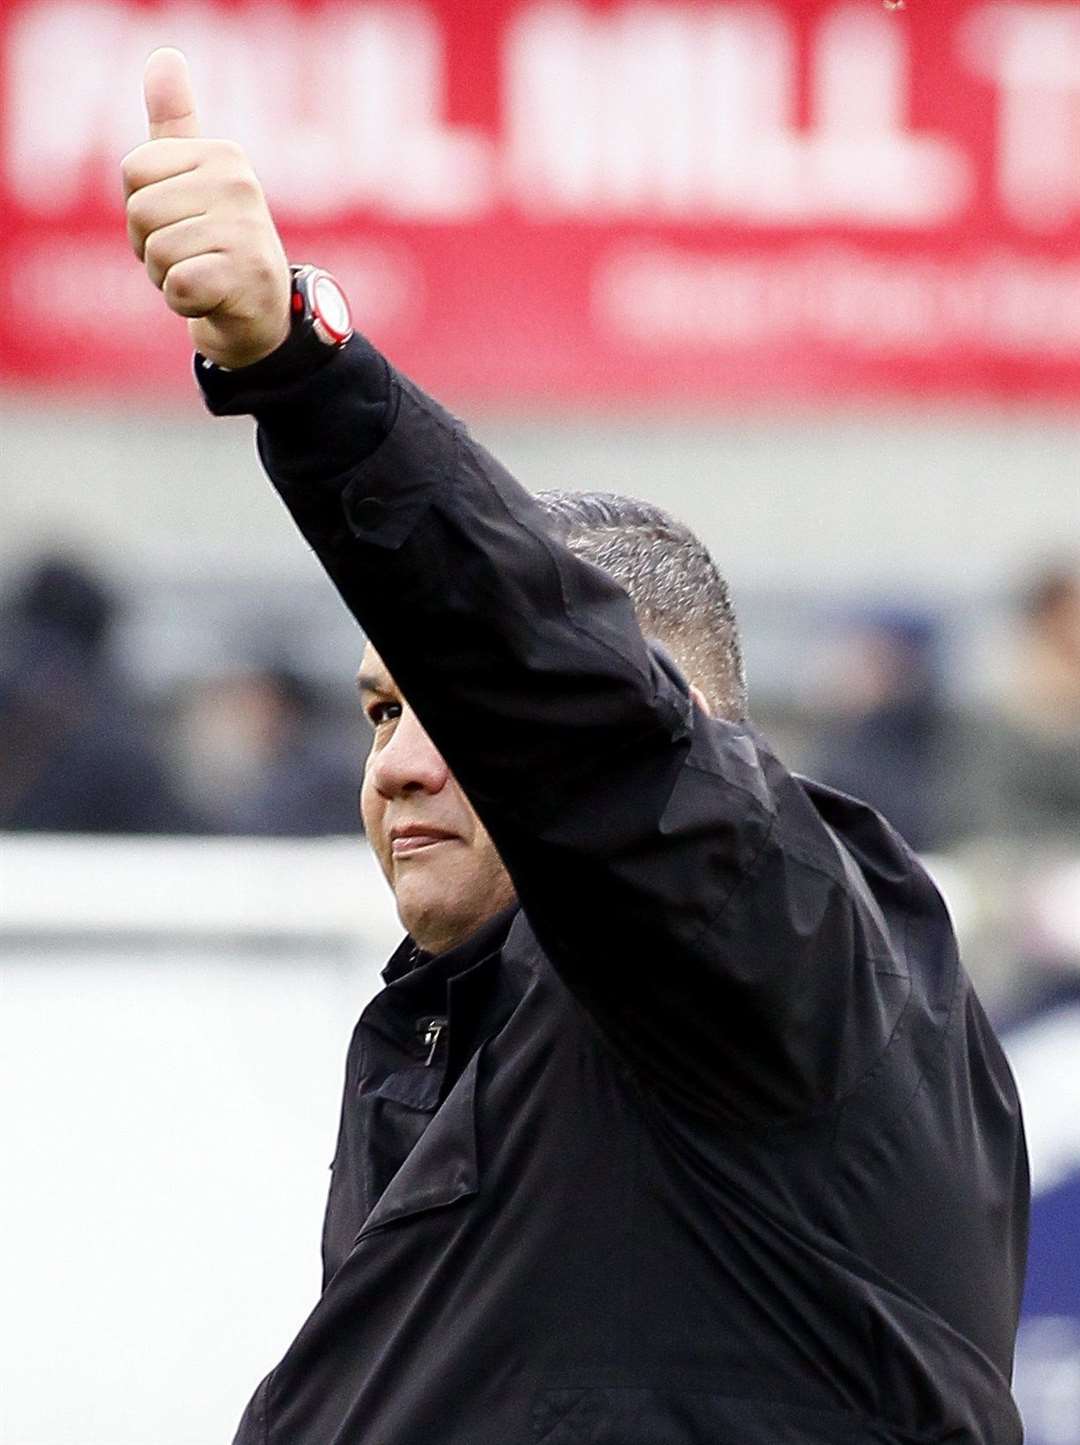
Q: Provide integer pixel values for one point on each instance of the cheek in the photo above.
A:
(372, 809)
(488, 868)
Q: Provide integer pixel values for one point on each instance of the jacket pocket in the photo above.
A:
(442, 1168)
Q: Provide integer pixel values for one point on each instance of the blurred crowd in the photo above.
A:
(249, 749)
(254, 746)
(890, 728)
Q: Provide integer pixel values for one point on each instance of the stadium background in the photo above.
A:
(807, 272)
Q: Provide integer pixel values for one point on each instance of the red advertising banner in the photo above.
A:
(560, 202)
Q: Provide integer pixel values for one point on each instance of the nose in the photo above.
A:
(408, 762)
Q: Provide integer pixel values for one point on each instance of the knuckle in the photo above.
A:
(251, 233)
(232, 151)
(188, 287)
(137, 237)
(139, 213)
(157, 256)
(133, 166)
(154, 249)
(263, 271)
(179, 288)
(226, 158)
(243, 188)
(249, 244)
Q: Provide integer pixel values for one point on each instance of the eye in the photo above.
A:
(381, 712)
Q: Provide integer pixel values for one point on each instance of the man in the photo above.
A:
(677, 1120)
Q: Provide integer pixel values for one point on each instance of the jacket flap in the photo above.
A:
(442, 1167)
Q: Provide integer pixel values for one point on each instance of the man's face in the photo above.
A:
(440, 862)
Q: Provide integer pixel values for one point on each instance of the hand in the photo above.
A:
(198, 219)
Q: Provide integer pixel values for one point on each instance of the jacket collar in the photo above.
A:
(410, 961)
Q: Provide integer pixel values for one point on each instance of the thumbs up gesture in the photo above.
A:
(197, 218)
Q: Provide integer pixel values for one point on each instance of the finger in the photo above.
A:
(170, 99)
(197, 286)
(179, 242)
(153, 207)
(158, 160)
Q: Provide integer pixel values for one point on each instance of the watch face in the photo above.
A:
(329, 310)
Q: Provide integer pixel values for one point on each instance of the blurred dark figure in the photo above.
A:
(887, 734)
(1039, 755)
(1048, 673)
(261, 759)
(75, 756)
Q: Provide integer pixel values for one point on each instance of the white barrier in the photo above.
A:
(174, 1017)
(326, 890)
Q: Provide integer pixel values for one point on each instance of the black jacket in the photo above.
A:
(716, 1147)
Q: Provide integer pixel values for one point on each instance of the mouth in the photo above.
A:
(417, 838)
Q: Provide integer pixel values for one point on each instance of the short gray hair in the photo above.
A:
(679, 597)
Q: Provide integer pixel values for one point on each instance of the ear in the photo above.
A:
(700, 699)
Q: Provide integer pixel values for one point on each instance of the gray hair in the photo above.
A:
(679, 597)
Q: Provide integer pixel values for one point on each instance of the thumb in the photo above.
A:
(170, 100)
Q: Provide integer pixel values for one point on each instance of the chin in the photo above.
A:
(438, 939)
(432, 923)
(436, 912)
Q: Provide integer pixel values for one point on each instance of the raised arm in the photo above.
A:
(685, 886)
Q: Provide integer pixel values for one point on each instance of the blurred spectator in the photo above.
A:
(259, 759)
(886, 736)
(1040, 753)
(1047, 694)
(74, 754)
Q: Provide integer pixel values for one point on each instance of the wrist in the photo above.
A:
(316, 325)
(242, 356)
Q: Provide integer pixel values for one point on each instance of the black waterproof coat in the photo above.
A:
(715, 1145)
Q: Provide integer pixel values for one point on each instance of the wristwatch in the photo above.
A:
(320, 325)
(319, 306)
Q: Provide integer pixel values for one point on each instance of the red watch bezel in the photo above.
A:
(307, 282)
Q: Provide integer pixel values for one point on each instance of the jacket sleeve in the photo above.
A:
(676, 875)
